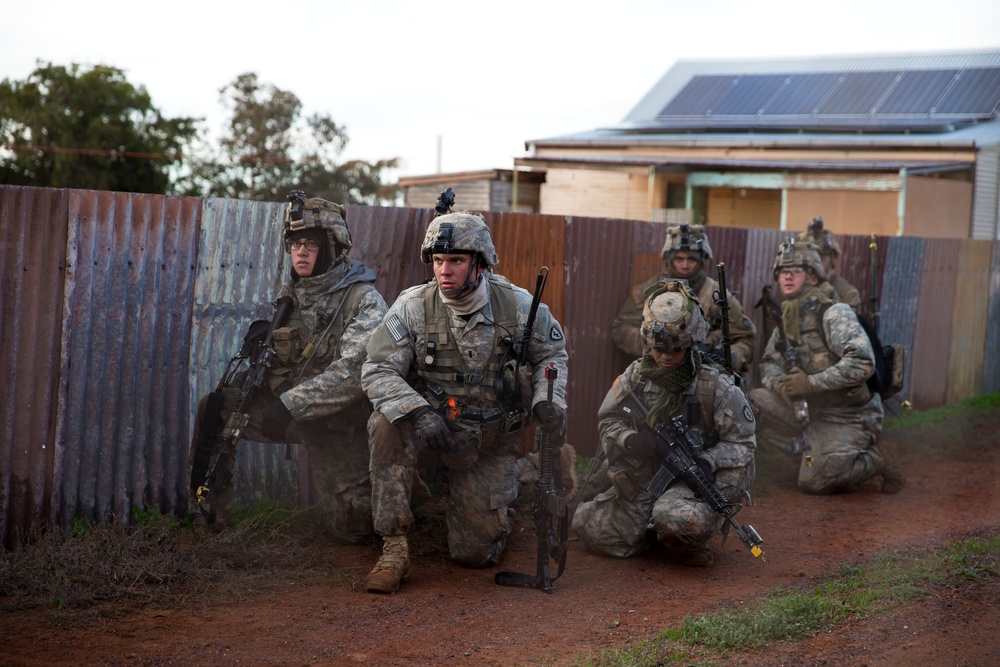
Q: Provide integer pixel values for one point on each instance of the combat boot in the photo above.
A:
(392, 568)
(698, 557)
(893, 477)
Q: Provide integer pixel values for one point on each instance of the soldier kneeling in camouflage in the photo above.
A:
(441, 374)
(814, 402)
(673, 379)
(312, 394)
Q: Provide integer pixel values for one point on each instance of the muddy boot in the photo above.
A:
(697, 557)
(392, 568)
(893, 477)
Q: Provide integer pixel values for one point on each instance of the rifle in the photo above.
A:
(678, 446)
(548, 510)
(873, 308)
(445, 201)
(514, 410)
(213, 447)
(721, 299)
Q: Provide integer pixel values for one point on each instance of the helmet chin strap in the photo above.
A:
(468, 285)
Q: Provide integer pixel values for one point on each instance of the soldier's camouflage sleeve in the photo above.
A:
(339, 385)
(734, 422)
(613, 425)
(391, 352)
(846, 339)
(548, 345)
(771, 368)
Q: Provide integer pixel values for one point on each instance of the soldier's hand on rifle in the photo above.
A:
(434, 431)
(642, 443)
(276, 420)
(551, 417)
(795, 385)
(706, 468)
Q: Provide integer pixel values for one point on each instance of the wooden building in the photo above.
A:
(486, 190)
(904, 145)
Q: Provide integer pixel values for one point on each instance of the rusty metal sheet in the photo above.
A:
(33, 224)
(388, 240)
(899, 296)
(931, 349)
(240, 268)
(126, 329)
(594, 246)
(856, 263)
(970, 320)
(758, 261)
(991, 362)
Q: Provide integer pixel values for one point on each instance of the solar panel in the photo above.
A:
(917, 92)
(699, 96)
(858, 93)
(803, 94)
(977, 91)
(749, 95)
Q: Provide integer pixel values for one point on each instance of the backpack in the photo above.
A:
(890, 362)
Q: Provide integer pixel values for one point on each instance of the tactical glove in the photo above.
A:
(551, 417)
(642, 443)
(706, 467)
(434, 431)
(275, 421)
(795, 384)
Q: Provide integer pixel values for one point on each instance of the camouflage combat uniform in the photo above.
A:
(845, 418)
(333, 312)
(403, 375)
(846, 292)
(627, 519)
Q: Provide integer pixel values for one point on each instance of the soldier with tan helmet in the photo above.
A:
(442, 376)
(672, 379)
(829, 252)
(312, 394)
(686, 253)
(822, 371)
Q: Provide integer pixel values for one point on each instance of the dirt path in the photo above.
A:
(446, 615)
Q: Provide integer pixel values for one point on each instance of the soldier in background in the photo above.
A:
(829, 252)
(442, 375)
(313, 395)
(815, 403)
(673, 380)
(686, 253)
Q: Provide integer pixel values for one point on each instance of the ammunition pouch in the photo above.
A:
(287, 344)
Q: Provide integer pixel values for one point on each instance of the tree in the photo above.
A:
(268, 150)
(87, 128)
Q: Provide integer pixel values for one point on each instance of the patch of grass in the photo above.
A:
(854, 592)
(912, 418)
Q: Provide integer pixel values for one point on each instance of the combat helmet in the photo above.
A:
(303, 214)
(826, 242)
(671, 317)
(455, 233)
(689, 238)
(799, 253)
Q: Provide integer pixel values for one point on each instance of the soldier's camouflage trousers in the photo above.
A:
(626, 519)
(482, 487)
(338, 459)
(842, 449)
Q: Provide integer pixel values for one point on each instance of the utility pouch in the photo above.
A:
(287, 344)
(624, 484)
(898, 369)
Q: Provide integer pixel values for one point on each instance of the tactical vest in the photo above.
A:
(443, 369)
(814, 357)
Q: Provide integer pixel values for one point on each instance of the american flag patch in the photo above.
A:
(396, 327)
(617, 387)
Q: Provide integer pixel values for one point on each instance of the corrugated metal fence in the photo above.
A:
(121, 310)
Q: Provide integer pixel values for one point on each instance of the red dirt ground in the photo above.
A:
(447, 615)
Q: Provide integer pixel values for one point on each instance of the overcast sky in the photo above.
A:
(484, 77)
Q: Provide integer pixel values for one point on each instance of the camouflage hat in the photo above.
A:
(804, 254)
(824, 239)
(671, 317)
(315, 213)
(689, 238)
(458, 233)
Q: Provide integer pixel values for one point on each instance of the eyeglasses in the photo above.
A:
(310, 245)
(792, 271)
